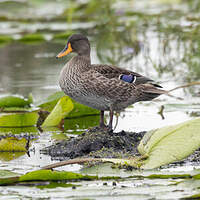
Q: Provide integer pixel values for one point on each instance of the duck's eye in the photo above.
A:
(128, 78)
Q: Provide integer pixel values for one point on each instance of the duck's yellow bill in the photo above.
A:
(65, 51)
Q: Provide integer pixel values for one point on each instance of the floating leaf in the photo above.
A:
(7, 177)
(61, 110)
(51, 101)
(15, 101)
(49, 175)
(19, 130)
(18, 119)
(170, 144)
(32, 38)
(13, 144)
(78, 111)
(5, 39)
(8, 156)
(78, 124)
(52, 185)
(82, 110)
(18, 109)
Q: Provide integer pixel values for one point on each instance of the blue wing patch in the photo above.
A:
(128, 78)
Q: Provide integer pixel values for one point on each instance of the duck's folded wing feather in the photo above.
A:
(110, 88)
(110, 71)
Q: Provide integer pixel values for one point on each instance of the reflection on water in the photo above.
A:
(30, 68)
(156, 39)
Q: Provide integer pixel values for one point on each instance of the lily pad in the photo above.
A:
(8, 177)
(15, 101)
(18, 109)
(78, 111)
(32, 38)
(170, 144)
(61, 110)
(13, 144)
(19, 130)
(49, 175)
(5, 39)
(82, 110)
(8, 156)
(51, 101)
(18, 119)
(78, 124)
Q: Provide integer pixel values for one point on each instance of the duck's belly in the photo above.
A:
(97, 102)
(72, 87)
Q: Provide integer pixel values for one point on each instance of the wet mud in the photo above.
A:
(97, 144)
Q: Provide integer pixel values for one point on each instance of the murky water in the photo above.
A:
(138, 44)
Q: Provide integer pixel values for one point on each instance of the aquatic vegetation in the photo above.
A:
(157, 38)
(32, 38)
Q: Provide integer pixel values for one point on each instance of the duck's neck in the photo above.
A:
(80, 63)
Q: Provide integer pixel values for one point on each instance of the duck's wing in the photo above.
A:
(110, 71)
(115, 90)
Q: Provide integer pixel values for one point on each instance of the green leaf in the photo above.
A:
(7, 177)
(18, 119)
(19, 109)
(49, 175)
(32, 38)
(51, 101)
(78, 124)
(8, 156)
(61, 110)
(14, 101)
(82, 110)
(5, 39)
(79, 109)
(19, 130)
(13, 144)
(170, 144)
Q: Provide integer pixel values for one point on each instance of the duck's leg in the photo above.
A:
(111, 120)
(102, 124)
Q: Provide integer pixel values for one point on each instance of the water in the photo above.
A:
(147, 45)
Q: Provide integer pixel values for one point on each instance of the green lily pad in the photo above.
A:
(32, 38)
(60, 111)
(51, 101)
(5, 39)
(82, 110)
(62, 36)
(19, 130)
(8, 156)
(170, 144)
(59, 136)
(53, 185)
(18, 119)
(78, 111)
(8, 177)
(13, 144)
(15, 101)
(78, 124)
(49, 175)
(18, 109)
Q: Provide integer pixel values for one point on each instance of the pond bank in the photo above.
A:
(99, 144)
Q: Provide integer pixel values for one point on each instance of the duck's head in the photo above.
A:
(77, 43)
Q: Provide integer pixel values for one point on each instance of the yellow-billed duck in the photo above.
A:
(100, 86)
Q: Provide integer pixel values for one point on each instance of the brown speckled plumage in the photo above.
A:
(99, 86)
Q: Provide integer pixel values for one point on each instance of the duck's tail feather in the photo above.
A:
(149, 92)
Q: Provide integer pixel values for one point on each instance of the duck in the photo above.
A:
(101, 86)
